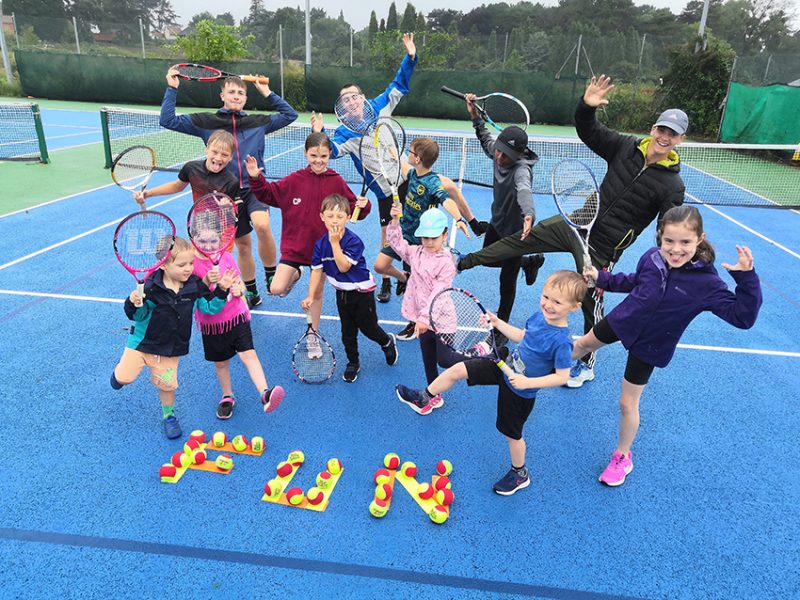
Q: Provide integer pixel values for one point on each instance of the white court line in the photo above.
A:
(273, 313)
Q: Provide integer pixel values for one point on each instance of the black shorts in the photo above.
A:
(512, 410)
(385, 204)
(219, 347)
(637, 371)
(294, 265)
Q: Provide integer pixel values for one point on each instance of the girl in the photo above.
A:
(673, 283)
(299, 197)
(228, 333)
(432, 270)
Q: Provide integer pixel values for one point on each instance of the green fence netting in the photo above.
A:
(761, 115)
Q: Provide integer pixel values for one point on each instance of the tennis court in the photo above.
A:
(710, 511)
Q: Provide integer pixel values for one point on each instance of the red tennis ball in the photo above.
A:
(240, 443)
(425, 491)
(391, 461)
(224, 462)
(409, 469)
(198, 435)
(219, 439)
(167, 471)
(324, 480)
(315, 496)
(383, 491)
(445, 496)
(382, 476)
(257, 444)
(444, 468)
(441, 483)
(284, 469)
(295, 496)
(191, 446)
(296, 458)
(273, 488)
(438, 514)
(334, 466)
(181, 459)
(199, 457)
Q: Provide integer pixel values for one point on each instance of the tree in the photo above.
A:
(391, 20)
(409, 21)
(214, 42)
(256, 9)
(441, 19)
(382, 26)
(420, 26)
(373, 25)
(535, 51)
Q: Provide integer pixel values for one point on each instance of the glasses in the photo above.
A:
(412, 152)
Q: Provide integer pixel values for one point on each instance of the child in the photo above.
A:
(210, 175)
(673, 283)
(544, 358)
(432, 270)
(163, 325)
(340, 256)
(299, 196)
(425, 191)
(227, 333)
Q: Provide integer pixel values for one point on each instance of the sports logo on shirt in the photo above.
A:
(296, 201)
(420, 189)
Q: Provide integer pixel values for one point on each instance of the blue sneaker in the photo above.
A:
(511, 482)
(114, 383)
(172, 429)
(579, 374)
(415, 399)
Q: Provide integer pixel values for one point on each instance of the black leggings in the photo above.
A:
(435, 354)
(637, 371)
(509, 269)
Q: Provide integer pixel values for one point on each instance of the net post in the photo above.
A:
(106, 137)
(37, 121)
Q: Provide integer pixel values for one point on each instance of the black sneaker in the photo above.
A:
(530, 266)
(253, 299)
(408, 333)
(386, 290)
(118, 386)
(390, 350)
(511, 482)
(415, 399)
(351, 372)
(401, 285)
(225, 407)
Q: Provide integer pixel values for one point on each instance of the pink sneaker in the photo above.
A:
(618, 469)
(436, 402)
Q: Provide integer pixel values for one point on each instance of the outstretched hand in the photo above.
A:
(263, 88)
(595, 94)
(745, 262)
(408, 42)
(317, 122)
(470, 98)
(252, 166)
(173, 80)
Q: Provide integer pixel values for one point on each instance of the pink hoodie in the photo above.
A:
(431, 272)
(235, 310)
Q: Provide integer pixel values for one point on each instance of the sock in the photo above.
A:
(521, 471)
(269, 272)
(251, 286)
(167, 410)
(426, 395)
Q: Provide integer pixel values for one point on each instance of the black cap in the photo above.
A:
(512, 142)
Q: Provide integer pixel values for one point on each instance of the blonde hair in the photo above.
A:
(570, 283)
(222, 137)
(179, 246)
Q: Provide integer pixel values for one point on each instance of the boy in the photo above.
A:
(163, 325)
(249, 131)
(425, 191)
(542, 360)
(339, 255)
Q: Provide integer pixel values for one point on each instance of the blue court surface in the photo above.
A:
(710, 511)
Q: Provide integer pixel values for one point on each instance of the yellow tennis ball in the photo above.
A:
(445, 496)
(284, 469)
(199, 457)
(334, 466)
(383, 491)
(257, 444)
(324, 480)
(391, 461)
(438, 514)
(273, 488)
(219, 439)
(181, 459)
(198, 435)
(191, 446)
(296, 458)
(425, 491)
(378, 508)
(224, 462)
(382, 476)
(295, 496)
(444, 468)
(239, 443)
(442, 482)
(315, 496)
(409, 469)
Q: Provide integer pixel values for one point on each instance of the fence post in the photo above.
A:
(141, 36)
(75, 28)
(14, 23)
(308, 33)
(6, 61)
(351, 46)
(280, 55)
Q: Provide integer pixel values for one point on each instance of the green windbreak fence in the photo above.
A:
(762, 115)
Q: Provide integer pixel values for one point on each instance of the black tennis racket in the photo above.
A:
(133, 168)
(578, 200)
(369, 156)
(498, 109)
(211, 224)
(459, 320)
(195, 72)
(142, 243)
(355, 112)
(313, 360)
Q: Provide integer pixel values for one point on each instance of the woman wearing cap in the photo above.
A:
(643, 182)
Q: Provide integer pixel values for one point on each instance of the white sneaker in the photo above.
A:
(313, 347)
(579, 374)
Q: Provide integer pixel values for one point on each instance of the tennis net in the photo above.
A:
(720, 174)
(21, 132)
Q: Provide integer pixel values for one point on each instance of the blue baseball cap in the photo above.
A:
(432, 223)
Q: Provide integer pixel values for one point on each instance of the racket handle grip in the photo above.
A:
(256, 79)
(505, 368)
(356, 212)
(452, 92)
(140, 291)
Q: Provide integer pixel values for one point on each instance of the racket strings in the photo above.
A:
(144, 240)
(313, 359)
(388, 153)
(506, 111)
(197, 71)
(354, 112)
(133, 167)
(576, 193)
(461, 324)
(212, 224)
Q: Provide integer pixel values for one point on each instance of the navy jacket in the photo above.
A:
(662, 302)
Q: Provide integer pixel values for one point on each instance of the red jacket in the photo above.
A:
(299, 196)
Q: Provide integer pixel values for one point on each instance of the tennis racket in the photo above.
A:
(355, 112)
(578, 200)
(313, 360)
(212, 226)
(133, 168)
(142, 243)
(194, 72)
(459, 320)
(369, 155)
(386, 145)
(498, 109)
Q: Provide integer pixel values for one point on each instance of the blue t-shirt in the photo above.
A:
(424, 192)
(359, 277)
(543, 349)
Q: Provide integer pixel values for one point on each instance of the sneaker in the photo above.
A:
(172, 429)
(511, 482)
(408, 333)
(401, 285)
(531, 266)
(114, 383)
(253, 299)
(414, 398)
(269, 284)
(579, 374)
(225, 407)
(617, 470)
(313, 347)
(272, 397)
(386, 290)
(351, 372)
(436, 402)
(390, 350)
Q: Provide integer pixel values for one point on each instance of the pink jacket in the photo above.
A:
(431, 272)
(235, 310)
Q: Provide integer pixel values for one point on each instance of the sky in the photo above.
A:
(354, 11)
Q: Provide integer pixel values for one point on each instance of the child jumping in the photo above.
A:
(339, 255)
(673, 283)
(543, 359)
(162, 326)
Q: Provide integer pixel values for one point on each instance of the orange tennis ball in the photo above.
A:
(445, 496)
(383, 491)
(425, 491)
(273, 488)
(284, 469)
(191, 446)
(295, 496)
(324, 480)
(198, 435)
(199, 457)
(315, 496)
(219, 439)
(391, 461)
(240, 443)
(224, 462)
(382, 476)
(409, 469)
(334, 466)
(378, 508)
(257, 444)
(296, 458)
(438, 514)
(442, 483)
(167, 471)
(181, 459)
(444, 468)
